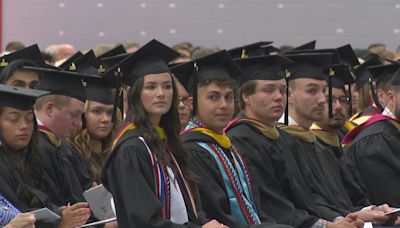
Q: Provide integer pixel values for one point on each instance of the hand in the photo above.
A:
(384, 208)
(111, 225)
(350, 221)
(75, 215)
(23, 220)
(374, 216)
(214, 224)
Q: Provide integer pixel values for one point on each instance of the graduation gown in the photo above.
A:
(350, 181)
(374, 153)
(45, 194)
(55, 155)
(212, 188)
(323, 174)
(278, 186)
(80, 166)
(129, 175)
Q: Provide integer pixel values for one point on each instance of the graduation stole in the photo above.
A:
(326, 137)
(304, 134)
(235, 175)
(162, 181)
(53, 139)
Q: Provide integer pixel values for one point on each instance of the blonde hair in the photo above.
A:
(82, 141)
(364, 97)
(59, 101)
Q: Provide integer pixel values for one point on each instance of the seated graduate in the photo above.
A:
(92, 141)
(348, 183)
(224, 181)
(148, 171)
(307, 101)
(11, 67)
(279, 187)
(25, 183)
(373, 150)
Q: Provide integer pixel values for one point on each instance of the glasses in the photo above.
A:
(342, 100)
(184, 100)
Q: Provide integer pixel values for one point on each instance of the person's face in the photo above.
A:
(16, 127)
(355, 96)
(215, 106)
(98, 119)
(66, 120)
(184, 109)
(340, 108)
(26, 79)
(156, 95)
(394, 97)
(308, 98)
(382, 97)
(268, 101)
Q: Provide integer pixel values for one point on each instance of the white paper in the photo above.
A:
(99, 222)
(45, 215)
(99, 200)
(368, 225)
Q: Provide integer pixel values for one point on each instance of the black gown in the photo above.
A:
(212, 188)
(277, 182)
(374, 153)
(60, 169)
(325, 178)
(129, 175)
(45, 194)
(350, 181)
(80, 166)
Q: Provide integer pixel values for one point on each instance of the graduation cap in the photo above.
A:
(309, 65)
(113, 52)
(112, 61)
(307, 46)
(217, 66)
(348, 56)
(268, 50)
(254, 49)
(396, 78)
(361, 72)
(29, 53)
(263, 68)
(152, 58)
(98, 88)
(18, 97)
(62, 82)
(67, 64)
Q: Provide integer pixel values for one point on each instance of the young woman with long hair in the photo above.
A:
(148, 171)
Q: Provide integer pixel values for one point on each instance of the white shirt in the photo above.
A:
(178, 207)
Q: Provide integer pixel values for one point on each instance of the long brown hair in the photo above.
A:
(364, 97)
(25, 168)
(82, 141)
(169, 122)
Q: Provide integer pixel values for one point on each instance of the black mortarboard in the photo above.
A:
(309, 65)
(361, 72)
(263, 68)
(383, 73)
(152, 58)
(29, 53)
(270, 49)
(113, 52)
(62, 82)
(68, 62)
(112, 61)
(254, 49)
(341, 76)
(99, 88)
(218, 66)
(348, 56)
(18, 97)
(396, 78)
(307, 46)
